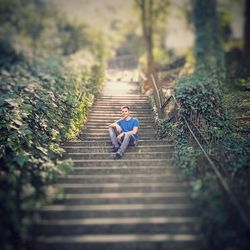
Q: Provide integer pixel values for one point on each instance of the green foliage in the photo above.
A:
(243, 83)
(161, 58)
(39, 108)
(73, 37)
(152, 16)
(37, 112)
(32, 30)
(201, 95)
(220, 221)
(208, 44)
(44, 100)
(132, 44)
(225, 21)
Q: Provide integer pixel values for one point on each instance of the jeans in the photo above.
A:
(127, 139)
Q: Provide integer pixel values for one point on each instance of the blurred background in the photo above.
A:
(55, 56)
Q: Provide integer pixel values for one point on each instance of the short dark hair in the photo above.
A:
(124, 107)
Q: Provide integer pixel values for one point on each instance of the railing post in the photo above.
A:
(158, 99)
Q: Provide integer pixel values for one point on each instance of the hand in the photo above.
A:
(119, 137)
(112, 125)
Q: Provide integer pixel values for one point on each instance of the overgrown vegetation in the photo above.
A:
(220, 103)
(48, 81)
(221, 222)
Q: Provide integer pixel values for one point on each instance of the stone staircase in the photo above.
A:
(138, 202)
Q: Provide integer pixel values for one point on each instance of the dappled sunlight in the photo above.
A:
(121, 82)
(119, 88)
(180, 69)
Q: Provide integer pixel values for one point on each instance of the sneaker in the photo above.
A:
(117, 156)
(115, 149)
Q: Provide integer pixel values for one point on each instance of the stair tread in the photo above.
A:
(139, 200)
(125, 220)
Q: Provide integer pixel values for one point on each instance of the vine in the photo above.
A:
(39, 108)
(219, 218)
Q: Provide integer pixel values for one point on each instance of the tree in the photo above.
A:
(208, 45)
(246, 50)
(152, 13)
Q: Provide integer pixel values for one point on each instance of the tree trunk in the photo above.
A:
(246, 51)
(146, 7)
(208, 48)
(146, 15)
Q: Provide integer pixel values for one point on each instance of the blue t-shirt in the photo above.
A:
(127, 126)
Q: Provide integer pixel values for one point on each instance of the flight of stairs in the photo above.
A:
(138, 202)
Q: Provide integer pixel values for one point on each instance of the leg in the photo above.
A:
(113, 135)
(127, 140)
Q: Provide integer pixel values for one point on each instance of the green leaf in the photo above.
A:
(27, 107)
(17, 122)
(21, 159)
(12, 102)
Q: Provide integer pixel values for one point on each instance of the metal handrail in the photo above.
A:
(222, 180)
(157, 91)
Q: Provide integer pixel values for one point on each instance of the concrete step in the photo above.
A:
(122, 162)
(116, 108)
(142, 117)
(108, 149)
(117, 170)
(104, 106)
(107, 138)
(121, 242)
(128, 155)
(106, 123)
(171, 225)
(121, 187)
(133, 104)
(136, 178)
(105, 130)
(121, 97)
(123, 198)
(153, 142)
(121, 102)
(118, 114)
(109, 120)
(113, 117)
(121, 210)
(111, 97)
(106, 134)
(102, 123)
(116, 111)
(105, 126)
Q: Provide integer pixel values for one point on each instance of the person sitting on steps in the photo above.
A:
(124, 132)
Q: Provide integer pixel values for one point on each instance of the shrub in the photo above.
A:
(39, 108)
(221, 223)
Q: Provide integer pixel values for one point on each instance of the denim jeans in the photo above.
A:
(127, 139)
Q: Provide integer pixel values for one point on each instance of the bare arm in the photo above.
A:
(116, 126)
(132, 132)
(112, 125)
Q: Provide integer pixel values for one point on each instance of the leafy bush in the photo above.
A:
(243, 83)
(39, 108)
(202, 95)
(221, 223)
